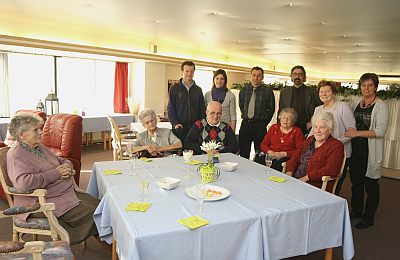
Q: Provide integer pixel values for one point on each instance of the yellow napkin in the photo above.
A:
(194, 162)
(111, 172)
(193, 222)
(276, 179)
(138, 206)
(145, 159)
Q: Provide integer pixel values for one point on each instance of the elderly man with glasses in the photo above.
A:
(212, 129)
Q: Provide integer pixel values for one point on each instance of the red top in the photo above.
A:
(277, 141)
(326, 161)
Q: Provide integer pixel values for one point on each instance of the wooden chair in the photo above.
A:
(37, 226)
(119, 142)
(326, 179)
(37, 249)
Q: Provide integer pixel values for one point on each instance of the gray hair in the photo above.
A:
(22, 122)
(325, 116)
(290, 111)
(147, 112)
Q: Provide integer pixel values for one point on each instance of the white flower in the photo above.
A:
(212, 145)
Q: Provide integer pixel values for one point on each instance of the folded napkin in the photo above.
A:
(276, 179)
(194, 162)
(145, 159)
(138, 206)
(111, 172)
(193, 222)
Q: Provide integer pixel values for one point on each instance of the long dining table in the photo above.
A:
(261, 219)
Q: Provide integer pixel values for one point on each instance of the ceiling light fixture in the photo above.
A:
(290, 4)
(213, 13)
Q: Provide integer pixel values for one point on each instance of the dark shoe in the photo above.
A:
(355, 215)
(364, 224)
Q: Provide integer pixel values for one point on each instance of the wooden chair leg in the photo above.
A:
(114, 255)
(84, 244)
(104, 140)
(328, 253)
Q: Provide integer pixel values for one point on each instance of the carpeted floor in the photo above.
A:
(377, 242)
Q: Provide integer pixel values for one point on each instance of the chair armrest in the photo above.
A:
(30, 193)
(329, 178)
(27, 209)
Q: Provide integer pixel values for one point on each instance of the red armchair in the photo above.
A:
(62, 133)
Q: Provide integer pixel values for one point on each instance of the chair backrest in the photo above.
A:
(4, 179)
(62, 133)
(116, 136)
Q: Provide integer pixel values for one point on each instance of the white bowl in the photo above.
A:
(228, 166)
(168, 183)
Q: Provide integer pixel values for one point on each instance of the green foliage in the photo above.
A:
(392, 92)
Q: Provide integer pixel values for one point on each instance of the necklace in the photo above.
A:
(283, 135)
(363, 105)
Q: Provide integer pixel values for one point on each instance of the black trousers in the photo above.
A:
(251, 131)
(361, 183)
(181, 133)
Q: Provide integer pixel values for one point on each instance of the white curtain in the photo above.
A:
(391, 144)
(4, 105)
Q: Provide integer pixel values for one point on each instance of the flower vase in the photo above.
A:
(208, 171)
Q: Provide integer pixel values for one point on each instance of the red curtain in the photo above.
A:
(121, 88)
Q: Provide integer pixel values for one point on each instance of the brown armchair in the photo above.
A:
(62, 133)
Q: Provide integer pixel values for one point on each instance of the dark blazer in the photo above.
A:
(311, 100)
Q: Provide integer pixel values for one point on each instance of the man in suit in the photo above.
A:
(300, 97)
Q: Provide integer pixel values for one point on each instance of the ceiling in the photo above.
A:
(332, 39)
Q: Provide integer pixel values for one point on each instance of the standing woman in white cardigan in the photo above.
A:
(371, 116)
(343, 116)
(219, 92)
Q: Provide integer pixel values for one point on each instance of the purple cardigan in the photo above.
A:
(28, 171)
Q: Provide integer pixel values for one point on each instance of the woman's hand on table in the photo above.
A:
(304, 178)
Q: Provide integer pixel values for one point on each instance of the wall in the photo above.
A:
(155, 86)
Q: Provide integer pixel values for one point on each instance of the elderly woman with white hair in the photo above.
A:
(31, 165)
(155, 141)
(321, 154)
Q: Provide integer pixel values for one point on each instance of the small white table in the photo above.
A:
(260, 220)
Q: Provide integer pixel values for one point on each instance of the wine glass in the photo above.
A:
(132, 157)
(200, 193)
(268, 160)
(144, 187)
(187, 157)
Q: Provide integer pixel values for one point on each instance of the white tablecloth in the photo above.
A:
(92, 124)
(260, 220)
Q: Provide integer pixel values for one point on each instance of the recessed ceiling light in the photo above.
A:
(358, 45)
(89, 5)
(290, 4)
(344, 36)
(213, 13)
(323, 23)
(379, 56)
(325, 52)
(155, 21)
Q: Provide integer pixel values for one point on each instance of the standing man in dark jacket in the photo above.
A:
(302, 98)
(186, 102)
(257, 104)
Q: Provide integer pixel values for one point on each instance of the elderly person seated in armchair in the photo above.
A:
(212, 129)
(31, 165)
(282, 140)
(156, 141)
(320, 155)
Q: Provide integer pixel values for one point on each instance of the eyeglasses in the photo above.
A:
(214, 113)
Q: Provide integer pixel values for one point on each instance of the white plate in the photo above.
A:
(190, 191)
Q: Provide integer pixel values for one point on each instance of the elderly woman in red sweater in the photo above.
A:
(320, 155)
(282, 140)
(31, 165)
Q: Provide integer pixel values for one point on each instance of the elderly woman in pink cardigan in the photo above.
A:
(31, 165)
